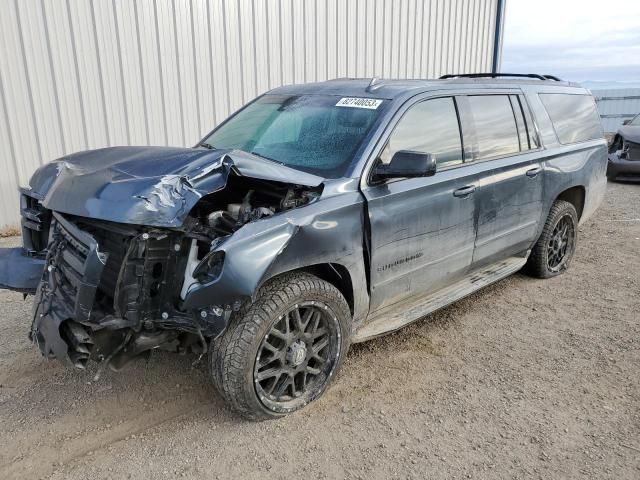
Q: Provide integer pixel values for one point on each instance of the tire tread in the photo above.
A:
(231, 358)
(536, 265)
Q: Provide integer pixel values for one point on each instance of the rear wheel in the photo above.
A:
(552, 253)
(281, 352)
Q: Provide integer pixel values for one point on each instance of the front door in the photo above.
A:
(422, 230)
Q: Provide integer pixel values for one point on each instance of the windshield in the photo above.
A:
(315, 133)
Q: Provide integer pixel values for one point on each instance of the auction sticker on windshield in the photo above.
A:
(355, 102)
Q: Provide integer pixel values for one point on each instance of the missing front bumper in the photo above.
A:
(19, 270)
(107, 293)
(65, 296)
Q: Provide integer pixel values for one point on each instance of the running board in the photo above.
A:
(396, 316)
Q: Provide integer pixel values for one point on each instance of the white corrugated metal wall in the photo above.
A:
(82, 74)
(617, 105)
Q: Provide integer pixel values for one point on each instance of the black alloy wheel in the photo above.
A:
(561, 243)
(281, 351)
(552, 253)
(297, 357)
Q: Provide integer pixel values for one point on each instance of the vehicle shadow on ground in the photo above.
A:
(626, 181)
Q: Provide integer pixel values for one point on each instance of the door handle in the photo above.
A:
(464, 191)
(534, 172)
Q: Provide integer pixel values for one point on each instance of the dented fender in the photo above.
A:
(248, 256)
(272, 246)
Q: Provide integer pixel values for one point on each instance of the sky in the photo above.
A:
(578, 40)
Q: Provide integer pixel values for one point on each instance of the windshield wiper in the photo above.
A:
(268, 158)
(206, 145)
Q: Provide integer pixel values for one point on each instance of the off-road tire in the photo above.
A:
(538, 262)
(232, 356)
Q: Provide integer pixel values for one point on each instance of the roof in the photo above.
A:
(391, 89)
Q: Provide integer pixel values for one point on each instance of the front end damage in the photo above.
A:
(109, 291)
(624, 158)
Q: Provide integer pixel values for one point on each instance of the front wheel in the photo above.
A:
(554, 250)
(281, 352)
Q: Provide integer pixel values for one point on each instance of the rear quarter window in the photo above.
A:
(574, 117)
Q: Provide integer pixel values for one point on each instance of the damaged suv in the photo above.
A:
(317, 216)
(624, 151)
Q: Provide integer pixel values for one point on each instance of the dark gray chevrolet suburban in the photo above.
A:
(317, 216)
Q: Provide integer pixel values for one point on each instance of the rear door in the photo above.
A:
(499, 132)
(422, 230)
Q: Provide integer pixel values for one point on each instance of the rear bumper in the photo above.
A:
(19, 270)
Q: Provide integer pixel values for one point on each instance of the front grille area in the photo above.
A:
(103, 284)
(74, 268)
(115, 245)
(142, 271)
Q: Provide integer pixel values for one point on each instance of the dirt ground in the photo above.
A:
(525, 379)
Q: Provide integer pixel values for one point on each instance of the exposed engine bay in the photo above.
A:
(112, 291)
(245, 200)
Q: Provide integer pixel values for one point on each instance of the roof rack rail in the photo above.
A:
(499, 75)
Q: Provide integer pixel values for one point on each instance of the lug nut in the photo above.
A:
(165, 315)
(177, 247)
(145, 236)
(203, 313)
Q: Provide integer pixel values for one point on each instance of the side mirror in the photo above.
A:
(627, 121)
(406, 164)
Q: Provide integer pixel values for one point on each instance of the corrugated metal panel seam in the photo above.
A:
(617, 105)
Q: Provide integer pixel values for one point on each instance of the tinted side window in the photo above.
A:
(429, 127)
(495, 126)
(574, 117)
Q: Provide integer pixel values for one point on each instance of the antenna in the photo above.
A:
(374, 84)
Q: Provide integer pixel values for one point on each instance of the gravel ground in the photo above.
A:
(527, 378)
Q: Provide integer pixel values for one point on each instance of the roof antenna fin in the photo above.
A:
(374, 84)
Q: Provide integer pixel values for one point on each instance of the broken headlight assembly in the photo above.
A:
(210, 267)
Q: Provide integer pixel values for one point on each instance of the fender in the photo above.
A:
(272, 246)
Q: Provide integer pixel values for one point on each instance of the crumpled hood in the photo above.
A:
(630, 133)
(156, 186)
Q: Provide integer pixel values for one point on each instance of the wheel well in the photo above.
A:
(575, 196)
(335, 274)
